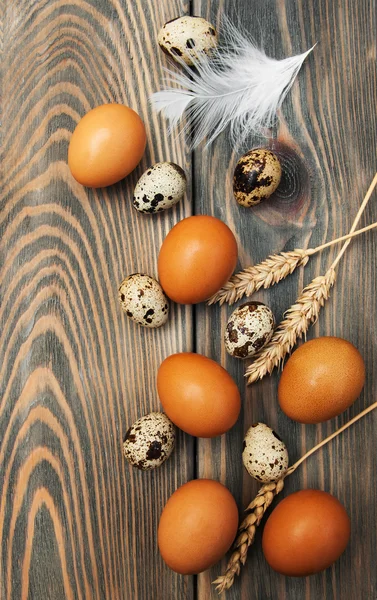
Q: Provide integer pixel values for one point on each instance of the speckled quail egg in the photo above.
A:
(143, 300)
(159, 188)
(264, 455)
(149, 441)
(249, 328)
(256, 176)
(188, 38)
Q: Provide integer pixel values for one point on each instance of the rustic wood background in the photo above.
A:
(76, 522)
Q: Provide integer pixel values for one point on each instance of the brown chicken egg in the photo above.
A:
(321, 379)
(106, 145)
(306, 533)
(196, 258)
(197, 526)
(198, 395)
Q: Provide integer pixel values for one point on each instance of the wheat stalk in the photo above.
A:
(257, 509)
(265, 274)
(247, 531)
(272, 270)
(303, 313)
(295, 324)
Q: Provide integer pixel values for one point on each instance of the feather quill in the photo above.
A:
(239, 86)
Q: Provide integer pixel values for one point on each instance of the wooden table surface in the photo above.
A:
(76, 522)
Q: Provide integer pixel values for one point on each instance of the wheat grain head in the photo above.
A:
(295, 324)
(246, 532)
(265, 274)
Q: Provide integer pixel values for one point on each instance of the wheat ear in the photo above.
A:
(272, 270)
(295, 324)
(302, 314)
(247, 531)
(265, 274)
(257, 508)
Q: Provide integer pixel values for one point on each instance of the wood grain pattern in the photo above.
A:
(76, 522)
(327, 140)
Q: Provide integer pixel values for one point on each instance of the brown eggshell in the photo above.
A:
(198, 394)
(306, 533)
(106, 145)
(197, 526)
(196, 258)
(321, 379)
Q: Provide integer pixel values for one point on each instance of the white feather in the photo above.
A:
(239, 86)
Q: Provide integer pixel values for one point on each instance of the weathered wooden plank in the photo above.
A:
(327, 136)
(75, 520)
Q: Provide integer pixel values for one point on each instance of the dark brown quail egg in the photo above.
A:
(143, 300)
(264, 455)
(187, 38)
(256, 176)
(149, 441)
(249, 328)
(159, 188)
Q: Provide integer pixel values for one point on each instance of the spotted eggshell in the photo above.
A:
(149, 441)
(159, 188)
(256, 176)
(249, 328)
(264, 455)
(143, 300)
(187, 38)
